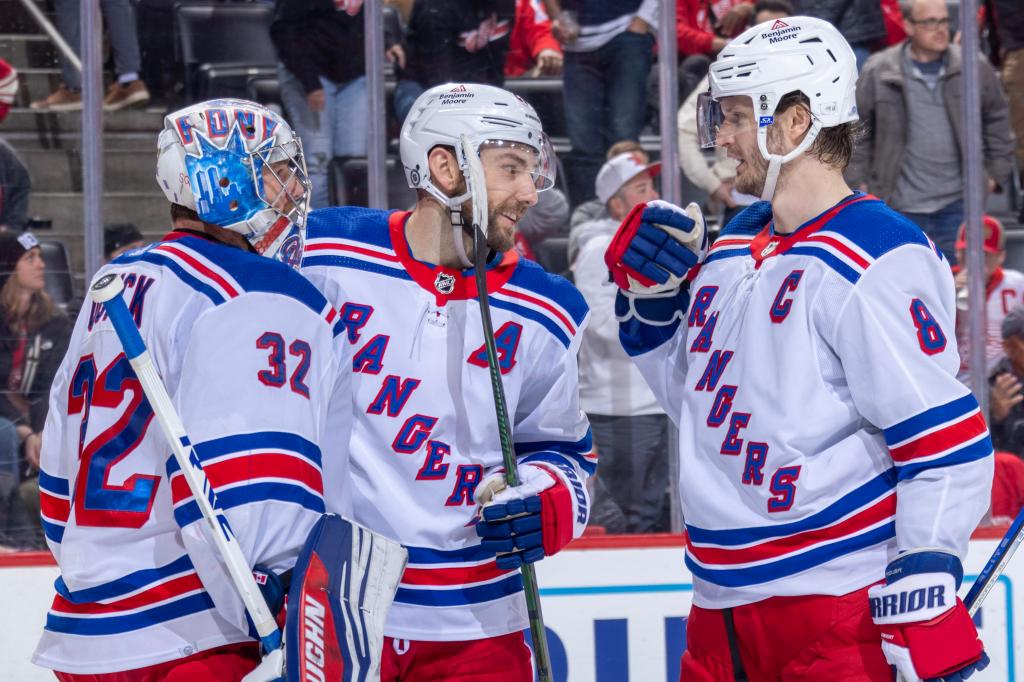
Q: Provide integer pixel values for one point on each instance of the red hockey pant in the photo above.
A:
(228, 663)
(497, 659)
(785, 639)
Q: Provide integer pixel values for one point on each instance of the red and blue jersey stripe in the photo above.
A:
(457, 577)
(253, 468)
(54, 505)
(946, 435)
(138, 600)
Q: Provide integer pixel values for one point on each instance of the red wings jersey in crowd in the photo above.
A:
(813, 384)
(425, 431)
(250, 353)
(1004, 292)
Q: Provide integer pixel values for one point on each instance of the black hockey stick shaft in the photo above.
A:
(508, 456)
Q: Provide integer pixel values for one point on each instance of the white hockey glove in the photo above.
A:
(927, 632)
(655, 247)
(528, 522)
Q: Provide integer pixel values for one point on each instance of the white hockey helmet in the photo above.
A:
(773, 59)
(211, 159)
(485, 115)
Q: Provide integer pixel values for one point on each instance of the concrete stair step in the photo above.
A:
(60, 170)
(148, 210)
(50, 123)
(144, 141)
(28, 50)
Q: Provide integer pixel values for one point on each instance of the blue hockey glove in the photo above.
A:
(273, 589)
(656, 246)
(526, 523)
(927, 632)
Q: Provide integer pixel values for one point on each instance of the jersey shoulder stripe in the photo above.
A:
(581, 451)
(222, 273)
(731, 246)
(135, 601)
(54, 505)
(355, 238)
(545, 298)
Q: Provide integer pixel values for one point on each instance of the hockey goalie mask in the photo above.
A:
(767, 62)
(238, 165)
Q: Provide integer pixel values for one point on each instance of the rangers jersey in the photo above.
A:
(250, 353)
(425, 431)
(1003, 292)
(821, 424)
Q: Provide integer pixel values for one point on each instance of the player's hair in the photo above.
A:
(179, 212)
(777, 6)
(623, 147)
(834, 145)
(40, 307)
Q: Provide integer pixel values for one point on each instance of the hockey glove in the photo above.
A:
(655, 247)
(528, 522)
(927, 632)
(273, 589)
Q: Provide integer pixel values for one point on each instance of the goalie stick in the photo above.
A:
(107, 292)
(477, 186)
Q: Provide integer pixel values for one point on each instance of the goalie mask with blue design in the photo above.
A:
(239, 166)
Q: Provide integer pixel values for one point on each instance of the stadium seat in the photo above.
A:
(266, 90)
(223, 45)
(347, 186)
(553, 255)
(58, 271)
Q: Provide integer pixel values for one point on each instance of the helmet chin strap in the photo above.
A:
(775, 161)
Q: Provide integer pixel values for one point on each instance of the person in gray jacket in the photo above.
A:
(909, 100)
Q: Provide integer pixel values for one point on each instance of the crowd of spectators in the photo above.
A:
(603, 51)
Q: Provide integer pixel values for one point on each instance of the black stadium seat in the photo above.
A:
(347, 186)
(58, 271)
(265, 90)
(223, 45)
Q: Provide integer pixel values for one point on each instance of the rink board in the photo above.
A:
(614, 607)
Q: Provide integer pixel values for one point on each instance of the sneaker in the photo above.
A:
(62, 99)
(120, 96)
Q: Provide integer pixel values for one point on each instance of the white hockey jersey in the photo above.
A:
(821, 424)
(425, 431)
(250, 353)
(1003, 293)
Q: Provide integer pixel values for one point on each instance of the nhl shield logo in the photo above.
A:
(444, 283)
(769, 249)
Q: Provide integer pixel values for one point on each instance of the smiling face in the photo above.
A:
(509, 170)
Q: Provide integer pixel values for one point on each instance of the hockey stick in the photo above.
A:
(996, 565)
(477, 188)
(107, 292)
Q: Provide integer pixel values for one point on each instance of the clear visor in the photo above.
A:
(284, 184)
(519, 162)
(725, 118)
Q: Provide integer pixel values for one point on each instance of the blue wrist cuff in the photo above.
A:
(924, 561)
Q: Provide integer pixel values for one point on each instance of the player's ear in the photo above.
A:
(798, 122)
(444, 169)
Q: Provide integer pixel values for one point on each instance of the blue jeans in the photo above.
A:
(119, 16)
(942, 226)
(604, 104)
(861, 53)
(10, 476)
(341, 129)
(406, 92)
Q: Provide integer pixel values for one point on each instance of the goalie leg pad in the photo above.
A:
(342, 587)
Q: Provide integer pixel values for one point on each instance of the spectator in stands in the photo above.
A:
(1006, 413)
(120, 237)
(608, 56)
(716, 178)
(860, 21)
(8, 88)
(909, 99)
(33, 339)
(1009, 23)
(1004, 291)
(1007, 489)
(594, 208)
(630, 430)
(532, 50)
(323, 81)
(462, 41)
(548, 218)
(703, 28)
(15, 187)
(128, 89)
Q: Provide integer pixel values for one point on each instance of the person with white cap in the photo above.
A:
(630, 429)
(809, 361)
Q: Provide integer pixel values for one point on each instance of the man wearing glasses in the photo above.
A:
(909, 98)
